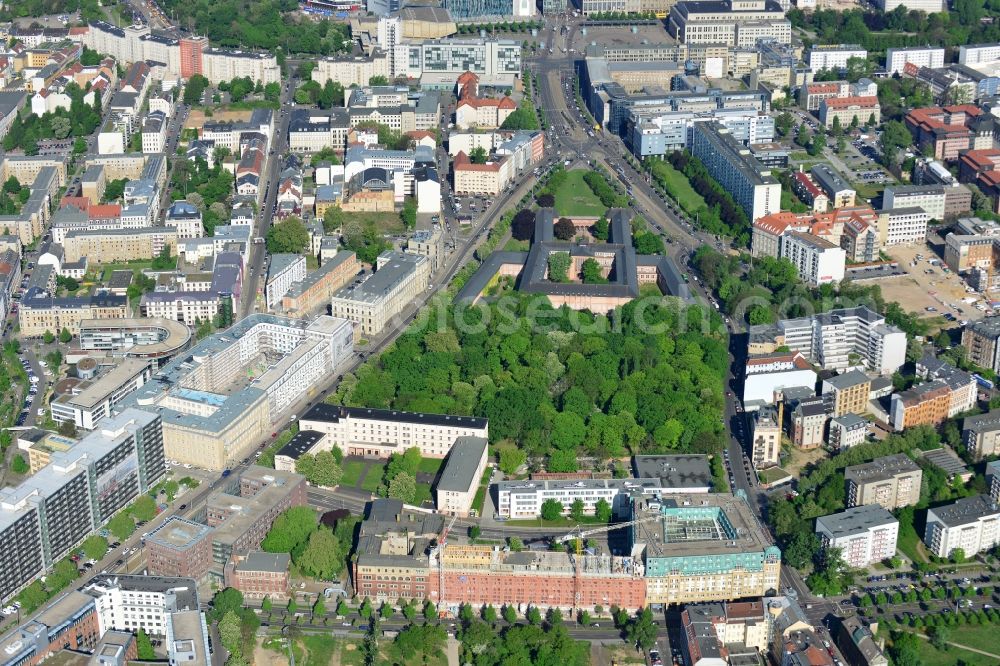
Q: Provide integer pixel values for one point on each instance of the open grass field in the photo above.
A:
(352, 473)
(678, 186)
(430, 465)
(576, 199)
(982, 637)
(373, 479)
(389, 223)
(931, 656)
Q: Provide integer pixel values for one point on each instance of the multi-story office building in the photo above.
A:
(260, 575)
(702, 548)
(834, 56)
(284, 270)
(829, 339)
(962, 383)
(905, 225)
(108, 246)
(972, 524)
(140, 603)
(94, 399)
(524, 499)
(241, 516)
(313, 293)
(891, 482)
(765, 438)
(379, 432)
(212, 418)
(70, 621)
(186, 219)
(750, 183)
(179, 548)
(927, 6)
(187, 639)
(865, 535)
(847, 393)
(919, 56)
(993, 479)
(817, 260)
(312, 130)
(773, 373)
(947, 131)
(739, 630)
(48, 514)
(739, 23)
(659, 132)
(398, 279)
(809, 417)
(981, 434)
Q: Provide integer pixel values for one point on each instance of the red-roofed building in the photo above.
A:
(473, 111)
(809, 192)
(489, 178)
(950, 130)
(768, 230)
(849, 108)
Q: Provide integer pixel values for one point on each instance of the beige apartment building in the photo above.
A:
(399, 278)
(351, 71)
(847, 393)
(460, 478)
(892, 482)
(488, 179)
(314, 292)
(38, 314)
(105, 246)
(766, 438)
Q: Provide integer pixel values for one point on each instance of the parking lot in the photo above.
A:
(926, 288)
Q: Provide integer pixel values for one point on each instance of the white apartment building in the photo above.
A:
(817, 260)
(283, 271)
(978, 54)
(154, 132)
(186, 306)
(834, 56)
(398, 279)
(765, 438)
(921, 56)
(830, 338)
(926, 6)
(864, 534)
(381, 432)
(906, 225)
(524, 499)
(971, 524)
(351, 71)
(738, 23)
(131, 603)
(731, 164)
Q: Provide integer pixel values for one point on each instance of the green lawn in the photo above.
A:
(480, 498)
(514, 245)
(141, 265)
(771, 474)
(678, 186)
(320, 649)
(908, 543)
(930, 656)
(423, 494)
(649, 289)
(981, 637)
(373, 479)
(576, 199)
(352, 472)
(430, 465)
(386, 222)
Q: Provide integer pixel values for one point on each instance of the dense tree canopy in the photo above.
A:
(653, 385)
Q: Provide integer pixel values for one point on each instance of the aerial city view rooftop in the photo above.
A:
(500, 332)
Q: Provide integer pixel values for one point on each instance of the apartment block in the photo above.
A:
(212, 418)
(849, 109)
(765, 437)
(981, 434)
(924, 404)
(921, 56)
(361, 431)
(963, 385)
(905, 225)
(837, 190)
(40, 312)
(892, 482)
(847, 393)
(398, 279)
(460, 478)
(972, 524)
(92, 400)
(865, 535)
(847, 431)
(730, 555)
(768, 375)
(140, 603)
(830, 339)
(751, 184)
(108, 246)
(731, 22)
(949, 130)
(50, 513)
(69, 621)
(980, 339)
(808, 418)
(313, 293)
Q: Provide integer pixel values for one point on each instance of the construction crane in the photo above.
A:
(580, 534)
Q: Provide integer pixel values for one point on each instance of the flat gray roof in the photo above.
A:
(856, 520)
(459, 473)
(685, 472)
(964, 511)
